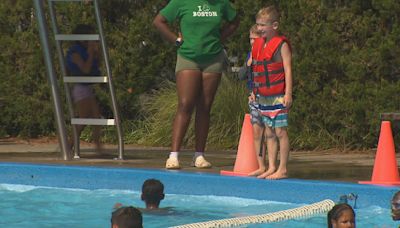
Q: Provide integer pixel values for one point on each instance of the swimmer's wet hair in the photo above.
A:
(152, 191)
(127, 217)
(337, 211)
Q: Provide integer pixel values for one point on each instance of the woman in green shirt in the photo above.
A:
(200, 62)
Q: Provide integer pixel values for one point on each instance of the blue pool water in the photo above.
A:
(30, 206)
(84, 197)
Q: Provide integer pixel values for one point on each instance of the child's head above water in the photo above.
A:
(152, 193)
(340, 216)
(267, 21)
(126, 217)
(396, 206)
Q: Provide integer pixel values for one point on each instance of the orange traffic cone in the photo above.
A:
(246, 160)
(385, 168)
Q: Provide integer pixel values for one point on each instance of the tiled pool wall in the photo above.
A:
(178, 182)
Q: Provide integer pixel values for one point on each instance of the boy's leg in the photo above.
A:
(258, 135)
(283, 138)
(272, 148)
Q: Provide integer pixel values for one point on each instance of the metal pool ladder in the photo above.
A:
(59, 38)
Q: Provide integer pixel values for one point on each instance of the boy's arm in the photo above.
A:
(287, 65)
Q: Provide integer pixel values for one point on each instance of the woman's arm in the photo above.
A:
(162, 26)
(229, 28)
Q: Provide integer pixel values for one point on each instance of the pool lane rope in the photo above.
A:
(299, 212)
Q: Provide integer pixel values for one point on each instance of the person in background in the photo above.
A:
(199, 66)
(82, 59)
(341, 216)
(245, 71)
(126, 217)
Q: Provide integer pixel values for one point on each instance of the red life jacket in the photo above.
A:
(268, 77)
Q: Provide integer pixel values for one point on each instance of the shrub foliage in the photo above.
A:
(345, 65)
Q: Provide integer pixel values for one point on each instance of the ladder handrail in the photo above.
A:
(61, 59)
(59, 114)
(108, 69)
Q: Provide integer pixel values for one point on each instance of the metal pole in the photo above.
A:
(43, 32)
(113, 99)
(61, 59)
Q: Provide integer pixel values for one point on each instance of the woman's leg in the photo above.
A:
(188, 84)
(209, 86)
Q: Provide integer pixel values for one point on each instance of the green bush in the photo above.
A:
(345, 67)
(227, 114)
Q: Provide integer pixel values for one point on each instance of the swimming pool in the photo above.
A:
(117, 184)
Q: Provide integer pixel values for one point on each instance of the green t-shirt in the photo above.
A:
(200, 24)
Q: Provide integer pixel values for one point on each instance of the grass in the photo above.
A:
(159, 109)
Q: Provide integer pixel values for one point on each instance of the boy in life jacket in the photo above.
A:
(271, 95)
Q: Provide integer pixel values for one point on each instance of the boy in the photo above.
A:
(245, 71)
(126, 217)
(152, 193)
(271, 97)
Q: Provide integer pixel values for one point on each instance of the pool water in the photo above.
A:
(30, 206)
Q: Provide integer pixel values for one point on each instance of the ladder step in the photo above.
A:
(74, 37)
(85, 79)
(89, 121)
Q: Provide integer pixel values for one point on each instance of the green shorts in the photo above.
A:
(216, 65)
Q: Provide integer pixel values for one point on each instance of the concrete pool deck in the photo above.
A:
(317, 165)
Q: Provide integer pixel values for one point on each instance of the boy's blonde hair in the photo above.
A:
(255, 31)
(270, 13)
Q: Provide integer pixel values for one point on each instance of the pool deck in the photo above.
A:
(316, 165)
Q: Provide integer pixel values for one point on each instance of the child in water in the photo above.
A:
(341, 216)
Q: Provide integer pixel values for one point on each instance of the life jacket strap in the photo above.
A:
(257, 74)
(259, 84)
(255, 62)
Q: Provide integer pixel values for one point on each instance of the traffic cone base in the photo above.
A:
(382, 183)
(385, 170)
(246, 159)
(233, 173)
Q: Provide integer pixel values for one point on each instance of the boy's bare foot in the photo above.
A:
(266, 174)
(256, 172)
(277, 175)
